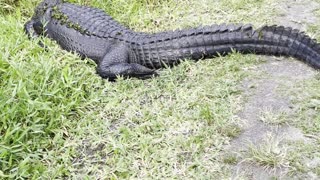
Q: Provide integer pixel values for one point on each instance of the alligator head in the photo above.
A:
(41, 9)
(41, 16)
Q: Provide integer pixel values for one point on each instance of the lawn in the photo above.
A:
(59, 119)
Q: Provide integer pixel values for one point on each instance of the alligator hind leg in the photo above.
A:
(115, 63)
(126, 70)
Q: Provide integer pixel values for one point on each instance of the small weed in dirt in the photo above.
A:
(230, 159)
(269, 154)
(231, 130)
(271, 118)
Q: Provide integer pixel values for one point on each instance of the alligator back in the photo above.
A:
(92, 21)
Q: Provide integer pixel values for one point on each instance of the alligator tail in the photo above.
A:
(169, 48)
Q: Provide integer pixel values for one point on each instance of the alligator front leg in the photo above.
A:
(116, 63)
(30, 30)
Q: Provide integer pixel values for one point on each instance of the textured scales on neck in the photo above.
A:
(119, 51)
(64, 20)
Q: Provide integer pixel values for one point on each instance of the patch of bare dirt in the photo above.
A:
(263, 95)
(297, 13)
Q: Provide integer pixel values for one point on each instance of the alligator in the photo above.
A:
(120, 51)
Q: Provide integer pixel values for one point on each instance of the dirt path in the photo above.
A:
(265, 103)
(297, 13)
(263, 98)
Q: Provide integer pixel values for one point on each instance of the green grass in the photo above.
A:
(59, 119)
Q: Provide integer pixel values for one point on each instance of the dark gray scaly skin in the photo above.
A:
(119, 51)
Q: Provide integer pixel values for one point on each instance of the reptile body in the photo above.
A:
(119, 51)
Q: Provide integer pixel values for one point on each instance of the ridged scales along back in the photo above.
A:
(168, 48)
(118, 50)
(95, 22)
